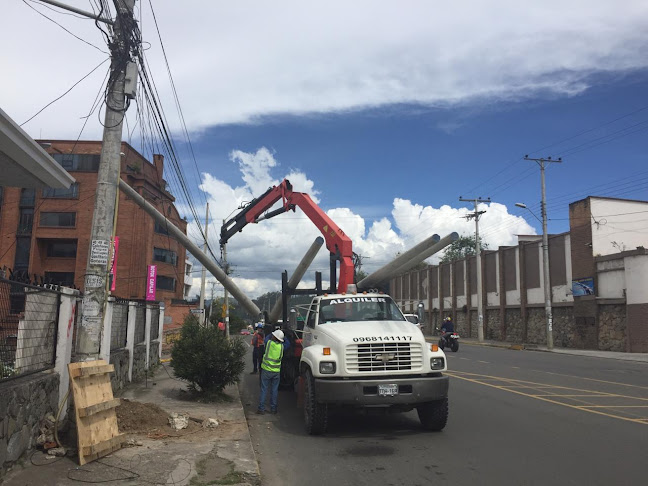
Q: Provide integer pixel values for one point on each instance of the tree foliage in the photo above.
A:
(461, 248)
(205, 358)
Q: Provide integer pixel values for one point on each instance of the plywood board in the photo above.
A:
(96, 419)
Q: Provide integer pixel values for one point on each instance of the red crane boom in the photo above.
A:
(337, 242)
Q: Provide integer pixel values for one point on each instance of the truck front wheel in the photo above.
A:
(434, 415)
(315, 414)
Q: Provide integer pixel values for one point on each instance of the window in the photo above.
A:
(165, 283)
(21, 261)
(61, 248)
(80, 162)
(161, 229)
(65, 279)
(71, 193)
(58, 219)
(165, 256)
(27, 197)
(26, 221)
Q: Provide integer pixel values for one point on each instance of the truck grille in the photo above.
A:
(369, 357)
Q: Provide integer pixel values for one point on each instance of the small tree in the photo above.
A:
(205, 358)
(461, 248)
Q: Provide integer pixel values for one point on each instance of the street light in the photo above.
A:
(545, 274)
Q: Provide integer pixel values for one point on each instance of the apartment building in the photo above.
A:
(46, 232)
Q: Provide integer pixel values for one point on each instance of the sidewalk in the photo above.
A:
(196, 455)
(637, 357)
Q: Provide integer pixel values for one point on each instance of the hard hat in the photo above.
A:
(448, 319)
(259, 325)
(279, 335)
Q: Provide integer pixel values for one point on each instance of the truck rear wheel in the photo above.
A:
(315, 414)
(434, 415)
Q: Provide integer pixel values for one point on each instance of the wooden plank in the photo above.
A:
(99, 407)
(104, 445)
(91, 390)
(93, 370)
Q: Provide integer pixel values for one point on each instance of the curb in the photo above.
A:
(249, 437)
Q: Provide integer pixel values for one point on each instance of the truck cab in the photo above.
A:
(360, 351)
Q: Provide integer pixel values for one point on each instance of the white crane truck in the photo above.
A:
(360, 351)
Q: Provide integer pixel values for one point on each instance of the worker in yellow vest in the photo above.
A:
(270, 371)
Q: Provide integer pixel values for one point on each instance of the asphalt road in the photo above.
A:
(516, 418)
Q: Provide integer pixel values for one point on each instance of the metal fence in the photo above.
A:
(28, 328)
(155, 323)
(119, 325)
(140, 323)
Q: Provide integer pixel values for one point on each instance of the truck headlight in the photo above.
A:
(327, 367)
(437, 363)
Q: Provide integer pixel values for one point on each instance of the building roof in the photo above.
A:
(609, 199)
(24, 163)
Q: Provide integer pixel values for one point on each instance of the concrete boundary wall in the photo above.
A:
(612, 319)
(27, 402)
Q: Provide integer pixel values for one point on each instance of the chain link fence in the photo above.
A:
(119, 325)
(155, 323)
(28, 328)
(140, 323)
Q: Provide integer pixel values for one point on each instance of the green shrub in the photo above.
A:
(205, 358)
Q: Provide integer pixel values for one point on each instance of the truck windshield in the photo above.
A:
(359, 309)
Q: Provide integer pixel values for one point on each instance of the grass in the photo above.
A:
(232, 477)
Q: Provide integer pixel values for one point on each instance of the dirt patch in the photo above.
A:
(134, 417)
(150, 420)
(147, 419)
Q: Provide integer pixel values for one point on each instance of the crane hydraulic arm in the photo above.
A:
(337, 242)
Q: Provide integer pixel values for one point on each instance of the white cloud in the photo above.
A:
(262, 251)
(236, 61)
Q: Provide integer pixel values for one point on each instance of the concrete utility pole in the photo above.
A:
(545, 248)
(297, 275)
(96, 275)
(225, 294)
(480, 299)
(203, 274)
(192, 248)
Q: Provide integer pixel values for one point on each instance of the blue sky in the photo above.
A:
(384, 112)
(433, 156)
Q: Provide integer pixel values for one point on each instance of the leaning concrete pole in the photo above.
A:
(443, 242)
(214, 269)
(386, 272)
(96, 274)
(298, 274)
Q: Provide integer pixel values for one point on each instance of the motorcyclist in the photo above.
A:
(447, 328)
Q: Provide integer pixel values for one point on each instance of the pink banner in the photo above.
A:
(113, 264)
(151, 275)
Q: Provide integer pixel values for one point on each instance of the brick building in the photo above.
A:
(47, 232)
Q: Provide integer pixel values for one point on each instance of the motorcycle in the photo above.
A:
(450, 339)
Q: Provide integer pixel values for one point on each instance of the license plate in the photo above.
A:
(387, 390)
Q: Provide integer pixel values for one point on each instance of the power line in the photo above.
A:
(66, 92)
(65, 29)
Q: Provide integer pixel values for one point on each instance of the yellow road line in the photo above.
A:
(554, 386)
(616, 406)
(594, 395)
(593, 379)
(576, 407)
